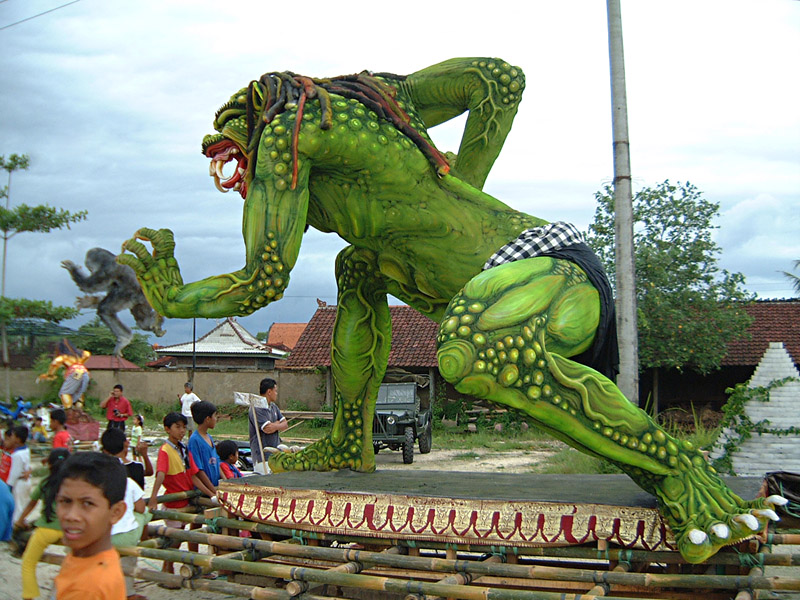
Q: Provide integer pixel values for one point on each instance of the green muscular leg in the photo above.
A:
(359, 354)
(505, 338)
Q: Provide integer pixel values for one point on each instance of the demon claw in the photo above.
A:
(777, 500)
(749, 520)
(697, 537)
(766, 512)
(721, 531)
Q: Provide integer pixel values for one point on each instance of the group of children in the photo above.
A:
(87, 506)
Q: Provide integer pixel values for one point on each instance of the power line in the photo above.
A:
(39, 15)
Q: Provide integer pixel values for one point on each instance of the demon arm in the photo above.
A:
(273, 224)
(490, 89)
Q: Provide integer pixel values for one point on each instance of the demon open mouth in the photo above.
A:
(220, 154)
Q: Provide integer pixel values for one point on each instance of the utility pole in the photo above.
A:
(628, 378)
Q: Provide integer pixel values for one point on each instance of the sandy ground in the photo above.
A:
(474, 460)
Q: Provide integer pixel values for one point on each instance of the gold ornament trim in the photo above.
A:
(447, 520)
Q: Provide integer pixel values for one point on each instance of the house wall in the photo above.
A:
(165, 385)
(685, 389)
(226, 362)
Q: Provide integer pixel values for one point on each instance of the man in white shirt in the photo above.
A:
(188, 398)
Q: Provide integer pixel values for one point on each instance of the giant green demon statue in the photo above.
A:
(523, 307)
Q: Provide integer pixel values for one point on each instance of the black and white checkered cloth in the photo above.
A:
(536, 241)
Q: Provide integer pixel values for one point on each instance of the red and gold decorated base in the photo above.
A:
(505, 509)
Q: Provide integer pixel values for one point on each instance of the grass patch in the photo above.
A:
(456, 439)
(571, 462)
(466, 456)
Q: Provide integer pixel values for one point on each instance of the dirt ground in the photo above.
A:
(479, 460)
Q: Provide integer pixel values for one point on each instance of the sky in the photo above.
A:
(111, 101)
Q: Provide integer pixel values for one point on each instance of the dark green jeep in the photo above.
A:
(399, 420)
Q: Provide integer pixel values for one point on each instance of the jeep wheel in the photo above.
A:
(408, 446)
(426, 440)
(376, 448)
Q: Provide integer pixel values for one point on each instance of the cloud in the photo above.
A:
(112, 100)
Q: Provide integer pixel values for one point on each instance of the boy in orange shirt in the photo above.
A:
(90, 499)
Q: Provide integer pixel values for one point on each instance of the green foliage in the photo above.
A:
(795, 279)
(739, 426)
(22, 308)
(97, 338)
(38, 219)
(298, 405)
(688, 308)
(47, 390)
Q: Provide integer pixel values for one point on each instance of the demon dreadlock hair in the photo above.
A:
(275, 92)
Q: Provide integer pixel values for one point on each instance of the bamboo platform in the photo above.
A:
(478, 509)
(279, 560)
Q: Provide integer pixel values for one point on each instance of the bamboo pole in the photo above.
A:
(576, 552)
(219, 587)
(459, 578)
(364, 582)
(647, 580)
(348, 567)
(188, 495)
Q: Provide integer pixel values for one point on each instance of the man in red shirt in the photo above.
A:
(118, 409)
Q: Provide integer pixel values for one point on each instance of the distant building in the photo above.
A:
(412, 355)
(773, 321)
(109, 362)
(227, 346)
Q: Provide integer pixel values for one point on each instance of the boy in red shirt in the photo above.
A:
(61, 437)
(175, 470)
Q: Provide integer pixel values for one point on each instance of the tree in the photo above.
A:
(688, 308)
(97, 338)
(795, 279)
(27, 321)
(24, 218)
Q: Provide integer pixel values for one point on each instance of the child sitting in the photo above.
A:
(48, 529)
(38, 431)
(89, 500)
(229, 456)
(175, 470)
(61, 437)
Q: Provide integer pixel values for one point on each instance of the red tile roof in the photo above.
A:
(285, 335)
(106, 362)
(774, 321)
(414, 336)
(413, 339)
(164, 361)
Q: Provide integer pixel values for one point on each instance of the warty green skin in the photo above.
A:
(506, 334)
